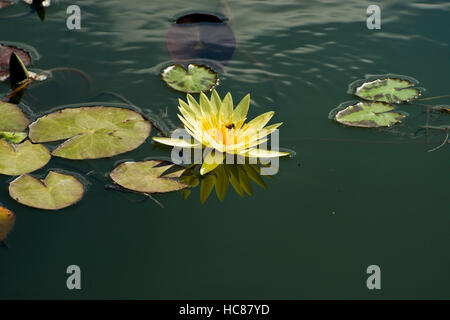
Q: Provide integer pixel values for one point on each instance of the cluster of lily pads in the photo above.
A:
(381, 95)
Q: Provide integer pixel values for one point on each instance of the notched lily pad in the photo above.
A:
(390, 90)
(147, 177)
(56, 192)
(369, 115)
(5, 55)
(22, 158)
(196, 79)
(7, 221)
(12, 118)
(92, 132)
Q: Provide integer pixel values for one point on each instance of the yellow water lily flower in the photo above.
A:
(215, 124)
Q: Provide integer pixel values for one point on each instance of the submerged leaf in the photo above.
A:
(5, 55)
(22, 158)
(391, 90)
(56, 192)
(93, 132)
(13, 137)
(196, 79)
(369, 115)
(12, 118)
(7, 221)
(146, 177)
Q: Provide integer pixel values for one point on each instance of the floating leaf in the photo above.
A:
(93, 132)
(196, 79)
(7, 221)
(147, 177)
(200, 36)
(56, 192)
(391, 90)
(22, 158)
(369, 115)
(5, 55)
(12, 118)
(13, 137)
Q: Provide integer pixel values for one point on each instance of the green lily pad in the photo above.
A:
(196, 79)
(146, 177)
(56, 192)
(92, 132)
(13, 137)
(12, 118)
(391, 90)
(22, 158)
(369, 115)
(7, 221)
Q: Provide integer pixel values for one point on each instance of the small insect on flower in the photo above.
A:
(217, 125)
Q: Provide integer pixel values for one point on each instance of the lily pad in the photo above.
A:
(13, 137)
(196, 79)
(22, 158)
(56, 192)
(7, 221)
(146, 177)
(5, 55)
(12, 117)
(92, 132)
(391, 90)
(369, 115)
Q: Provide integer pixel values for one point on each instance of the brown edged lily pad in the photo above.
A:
(5, 55)
(369, 115)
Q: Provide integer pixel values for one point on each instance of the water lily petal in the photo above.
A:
(262, 153)
(240, 113)
(260, 121)
(212, 161)
(177, 142)
(226, 108)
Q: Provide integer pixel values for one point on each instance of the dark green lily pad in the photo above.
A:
(196, 79)
(12, 118)
(146, 177)
(13, 137)
(369, 115)
(5, 55)
(22, 158)
(390, 90)
(56, 192)
(92, 132)
(7, 221)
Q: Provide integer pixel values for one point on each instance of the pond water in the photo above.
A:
(350, 198)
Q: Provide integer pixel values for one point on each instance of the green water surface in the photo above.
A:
(349, 198)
